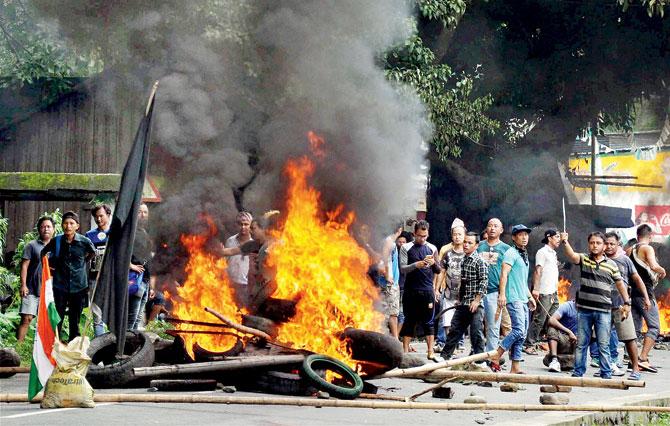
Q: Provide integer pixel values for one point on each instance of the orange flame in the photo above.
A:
(316, 144)
(319, 263)
(664, 312)
(207, 285)
(563, 290)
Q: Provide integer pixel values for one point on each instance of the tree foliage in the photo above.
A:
(29, 52)
(455, 111)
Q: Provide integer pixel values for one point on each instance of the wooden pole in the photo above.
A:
(425, 369)
(14, 370)
(314, 402)
(217, 366)
(535, 379)
(239, 327)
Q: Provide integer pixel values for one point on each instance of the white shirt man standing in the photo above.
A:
(238, 265)
(545, 287)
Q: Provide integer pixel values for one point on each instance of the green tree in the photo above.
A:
(30, 54)
(455, 110)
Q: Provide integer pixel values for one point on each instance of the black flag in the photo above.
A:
(111, 293)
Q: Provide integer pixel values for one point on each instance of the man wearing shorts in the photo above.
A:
(418, 261)
(625, 327)
(390, 277)
(31, 275)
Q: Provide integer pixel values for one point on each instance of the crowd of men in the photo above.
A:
(480, 286)
(75, 261)
(476, 285)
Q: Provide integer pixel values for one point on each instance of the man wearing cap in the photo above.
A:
(545, 287)
(514, 294)
(238, 265)
(68, 257)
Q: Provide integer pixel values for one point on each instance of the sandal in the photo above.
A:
(495, 367)
(530, 350)
(646, 366)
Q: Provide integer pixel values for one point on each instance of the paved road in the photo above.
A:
(211, 414)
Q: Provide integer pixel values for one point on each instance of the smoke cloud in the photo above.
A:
(241, 84)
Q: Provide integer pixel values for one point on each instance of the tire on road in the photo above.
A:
(279, 383)
(9, 358)
(349, 387)
(376, 352)
(139, 352)
(204, 355)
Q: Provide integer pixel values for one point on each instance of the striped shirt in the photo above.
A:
(596, 284)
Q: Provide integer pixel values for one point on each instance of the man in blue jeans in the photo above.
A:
(492, 251)
(514, 294)
(598, 276)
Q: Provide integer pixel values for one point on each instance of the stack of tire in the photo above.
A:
(106, 371)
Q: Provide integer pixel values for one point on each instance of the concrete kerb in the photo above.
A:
(609, 418)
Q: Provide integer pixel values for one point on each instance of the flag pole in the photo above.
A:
(89, 318)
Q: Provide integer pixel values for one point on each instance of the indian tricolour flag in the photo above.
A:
(45, 335)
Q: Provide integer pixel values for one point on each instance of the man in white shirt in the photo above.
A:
(238, 265)
(545, 287)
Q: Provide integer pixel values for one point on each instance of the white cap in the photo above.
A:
(456, 223)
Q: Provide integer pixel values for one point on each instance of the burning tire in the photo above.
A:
(349, 387)
(203, 355)
(260, 323)
(376, 352)
(138, 352)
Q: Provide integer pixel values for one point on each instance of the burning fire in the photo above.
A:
(563, 290)
(321, 265)
(207, 285)
(317, 262)
(664, 312)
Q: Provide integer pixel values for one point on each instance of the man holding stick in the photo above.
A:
(599, 275)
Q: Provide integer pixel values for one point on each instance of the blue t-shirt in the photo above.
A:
(567, 313)
(517, 279)
(493, 256)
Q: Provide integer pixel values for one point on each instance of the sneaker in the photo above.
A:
(555, 366)
(435, 358)
(595, 362)
(616, 371)
(438, 347)
(635, 375)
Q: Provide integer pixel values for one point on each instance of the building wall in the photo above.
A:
(84, 132)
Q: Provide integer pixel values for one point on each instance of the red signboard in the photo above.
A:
(658, 217)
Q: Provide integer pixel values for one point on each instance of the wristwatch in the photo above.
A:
(627, 302)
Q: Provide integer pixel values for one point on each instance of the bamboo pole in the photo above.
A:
(14, 370)
(173, 320)
(212, 366)
(535, 379)
(383, 397)
(341, 403)
(239, 327)
(425, 369)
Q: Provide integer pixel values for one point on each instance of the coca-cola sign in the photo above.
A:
(658, 217)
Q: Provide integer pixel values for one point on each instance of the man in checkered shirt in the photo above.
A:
(469, 309)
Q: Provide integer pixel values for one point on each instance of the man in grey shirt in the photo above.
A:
(31, 275)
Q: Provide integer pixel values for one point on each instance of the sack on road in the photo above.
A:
(67, 387)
